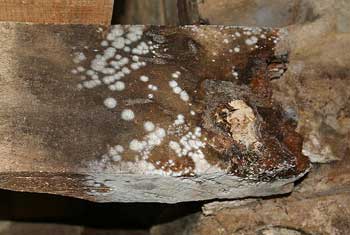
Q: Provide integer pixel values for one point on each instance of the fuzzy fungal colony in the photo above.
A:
(123, 53)
(126, 51)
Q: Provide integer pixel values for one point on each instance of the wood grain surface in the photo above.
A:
(57, 11)
(203, 123)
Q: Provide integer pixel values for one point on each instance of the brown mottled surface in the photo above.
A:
(51, 126)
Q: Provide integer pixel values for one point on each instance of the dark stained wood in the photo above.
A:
(56, 131)
(157, 12)
(188, 12)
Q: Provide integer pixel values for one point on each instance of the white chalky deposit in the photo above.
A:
(148, 143)
(119, 86)
(152, 87)
(127, 115)
(149, 126)
(79, 57)
(110, 103)
(177, 90)
(104, 43)
(137, 146)
(115, 153)
(180, 119)
(173, 84)
(176, 74)
(122, 55)
(144, 78)
(234, 72)
(184, 96)
(251, 41)
(176, 147)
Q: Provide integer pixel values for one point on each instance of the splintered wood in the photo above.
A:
(145, 113)
(57, 11)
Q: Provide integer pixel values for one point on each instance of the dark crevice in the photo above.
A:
(45, 208)
(118, 11)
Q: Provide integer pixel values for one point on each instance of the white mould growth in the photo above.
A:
(234, 72)
(110, 103)
(176, 74)
(104, 43)
(184, 96)
(149, 126)
(251, 41)
(144, 78)
(144, 147)
(118, 86)
(180, 119)
(152, 87)
(115, 153)
(122, 53)
(127, 115)
(178, 90)
(79, 57)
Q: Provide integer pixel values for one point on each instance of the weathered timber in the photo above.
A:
(145, 113)
(158, 12)
(58, 11)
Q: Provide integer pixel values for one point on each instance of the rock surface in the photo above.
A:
(319, 205)
(145, 114)
(316, 88)
(281, 216)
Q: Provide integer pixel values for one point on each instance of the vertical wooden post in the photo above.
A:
(158, 12)
(188, 12)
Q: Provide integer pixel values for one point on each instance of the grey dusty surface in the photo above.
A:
(144, 113)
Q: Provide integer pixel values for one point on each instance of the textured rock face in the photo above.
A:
(317, 86)
(284, 216)
(315, 89)
(274, 13)
(318, 205)
(153, 114)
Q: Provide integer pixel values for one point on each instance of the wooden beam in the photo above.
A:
(57, 11)
(144, 113)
